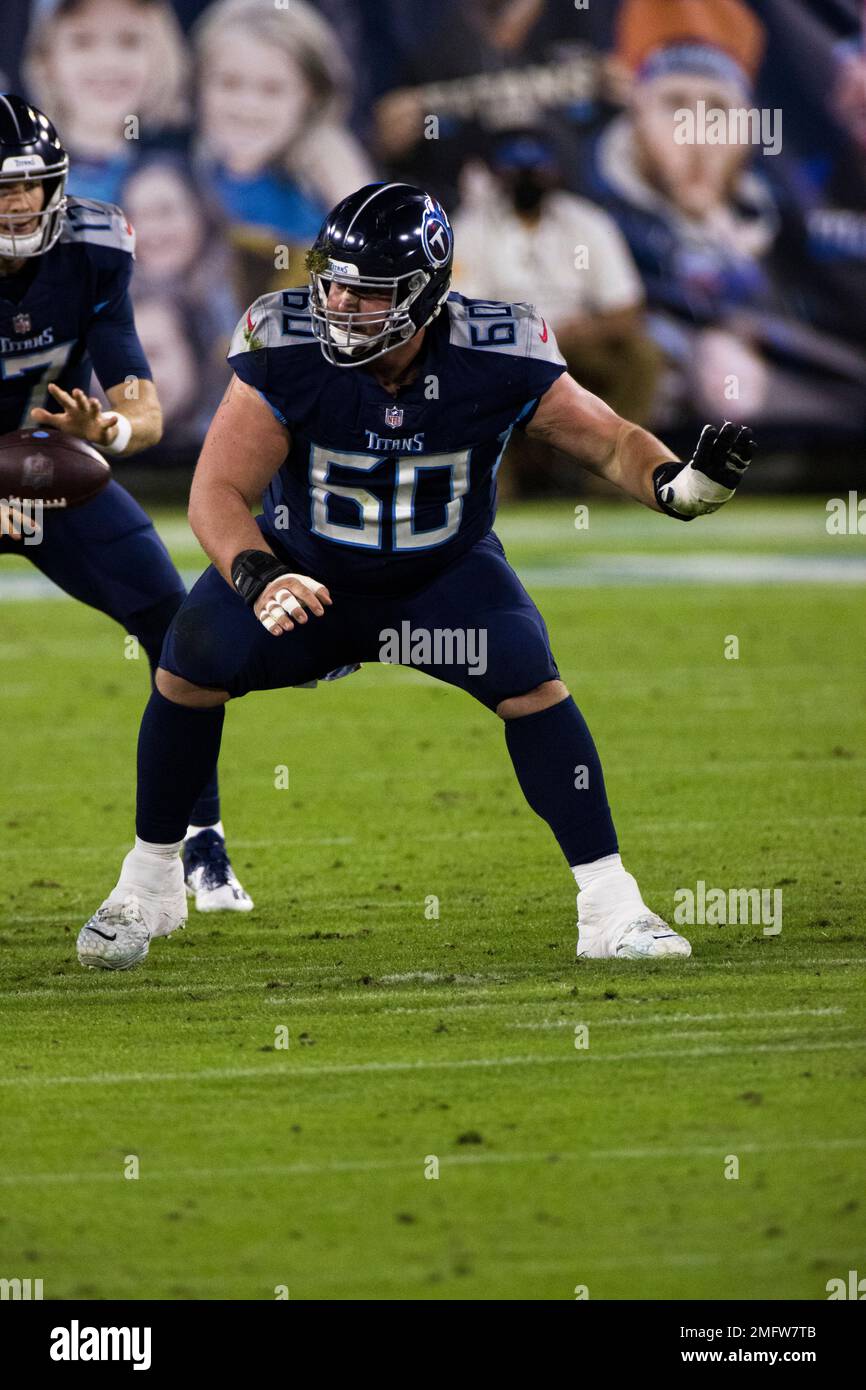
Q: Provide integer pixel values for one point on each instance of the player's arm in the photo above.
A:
(134, 423)
(244, 447)
(136, 398)
(577, 422)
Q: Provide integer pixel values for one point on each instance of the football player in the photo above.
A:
(372, 411)
(65, 267)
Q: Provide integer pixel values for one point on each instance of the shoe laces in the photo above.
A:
(128, 912)
(207, 851)
(649, 919)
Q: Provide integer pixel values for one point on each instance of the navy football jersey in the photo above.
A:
(378, 493)
(73, 317)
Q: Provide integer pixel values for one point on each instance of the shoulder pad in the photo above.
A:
(278, 319)
(494, 326)
(98, 224)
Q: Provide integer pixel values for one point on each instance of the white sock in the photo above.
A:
(608, 895)
(147, 867)
(192, 830)
(149, 850)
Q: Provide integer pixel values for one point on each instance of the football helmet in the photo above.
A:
(30, 150)
(390, 241)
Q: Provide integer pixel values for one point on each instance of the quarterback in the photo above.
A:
(368, 414)
(65, 311)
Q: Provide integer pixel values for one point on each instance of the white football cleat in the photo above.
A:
(115, 938)
(646, 937)
(210, 878)
(119, 933)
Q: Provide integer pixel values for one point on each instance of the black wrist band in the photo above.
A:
(253, 571)
(662, 475)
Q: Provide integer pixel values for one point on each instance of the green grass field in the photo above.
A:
(413, 1039)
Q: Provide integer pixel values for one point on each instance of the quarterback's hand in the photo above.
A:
(283, 602)
(81, 416)
(711, 476)
(14, 523)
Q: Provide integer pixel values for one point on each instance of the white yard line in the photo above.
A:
(91, 989)
(721, 568)
(663, 1019)
(516, 523)
(574, 1058)
(646, 822)
(616, 523)
(469, 1160)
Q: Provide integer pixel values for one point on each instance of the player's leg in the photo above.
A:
(556, 761)
(108, 555)
(216, 650)
(509, 667)
(210, 878)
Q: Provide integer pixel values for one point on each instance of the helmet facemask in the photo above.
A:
(344, 334)
(49, 220)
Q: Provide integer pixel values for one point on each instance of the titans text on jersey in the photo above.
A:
(378, 493)
(68, 313)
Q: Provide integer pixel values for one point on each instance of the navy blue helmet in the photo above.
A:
(30, 151)
(388, 241)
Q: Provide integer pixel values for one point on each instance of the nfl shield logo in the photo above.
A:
(21, 323)
(394, 416)
(37, 471)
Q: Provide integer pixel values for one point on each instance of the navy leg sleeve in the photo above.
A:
(178, 748)
(559, 771)
(150, 628)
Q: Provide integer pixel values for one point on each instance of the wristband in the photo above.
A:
(688, 492)
(121, 439)
(253, 571)
(664, 474)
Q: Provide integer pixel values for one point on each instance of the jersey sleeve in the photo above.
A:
(113, 342)
(248, 349)
(545, 363)
(274, 351)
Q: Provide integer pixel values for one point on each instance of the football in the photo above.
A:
(53, 468)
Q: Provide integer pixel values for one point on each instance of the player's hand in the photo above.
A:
(13, 523)
(81, 416)
(285, 600)
(712, 475)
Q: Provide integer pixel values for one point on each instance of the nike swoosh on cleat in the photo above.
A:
(103, 934)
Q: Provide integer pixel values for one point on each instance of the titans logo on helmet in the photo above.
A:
(436, 235)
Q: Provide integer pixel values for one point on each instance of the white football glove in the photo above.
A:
(710, 478)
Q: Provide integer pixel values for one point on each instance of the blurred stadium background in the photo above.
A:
(685, 282)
